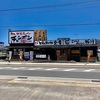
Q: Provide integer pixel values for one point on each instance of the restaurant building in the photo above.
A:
(35, 45)
(23, 40)
(69, 49)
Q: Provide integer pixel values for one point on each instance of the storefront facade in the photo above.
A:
(34, 45)
(73, 49)
(23, 40)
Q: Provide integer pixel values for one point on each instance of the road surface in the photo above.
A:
(73, 72)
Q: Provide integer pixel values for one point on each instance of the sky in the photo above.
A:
(75, 19)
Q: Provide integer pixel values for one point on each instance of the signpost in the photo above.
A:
(31, 55)
(21, 55)
(10, 55)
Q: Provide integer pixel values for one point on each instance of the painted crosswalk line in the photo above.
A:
(52, 69)
(69, 69)
(89, 70)
(34, 68)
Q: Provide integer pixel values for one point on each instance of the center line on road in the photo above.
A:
(1, 68)
(22, 67)
(8, 67)
(52, 69)
(69, 69)
(33, 68)
(89, 70)
(14, 68)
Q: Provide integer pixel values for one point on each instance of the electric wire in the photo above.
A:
(50, 6)
(55, 25)
(59, 10)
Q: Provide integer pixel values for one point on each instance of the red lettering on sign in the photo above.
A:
(17, 33)
(12, 33)
(23, 41)
(21, 33)
(28, 33)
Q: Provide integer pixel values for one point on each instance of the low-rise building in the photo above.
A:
(3, 51)
(35, 45)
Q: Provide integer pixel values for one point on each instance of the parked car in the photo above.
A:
(3, 54)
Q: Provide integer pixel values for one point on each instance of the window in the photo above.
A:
(15, 53)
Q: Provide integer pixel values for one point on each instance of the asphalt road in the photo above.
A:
(73, 72)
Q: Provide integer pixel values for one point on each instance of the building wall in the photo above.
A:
(70, 49)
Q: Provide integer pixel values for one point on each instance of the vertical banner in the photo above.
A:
(58, 54)
(89, 53)
(10, 55)
(21, 55)
(31, 55)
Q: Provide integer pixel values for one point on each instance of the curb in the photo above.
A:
(44, 79)
(29, 63)
(50, 81)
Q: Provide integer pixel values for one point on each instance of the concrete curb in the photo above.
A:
(30, 63)
(50, 81)
(45, 79)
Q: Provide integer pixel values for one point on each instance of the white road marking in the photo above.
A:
(31, 69)
(89, 70)
(8, 67)
(14, 68)
(34, 68)
(1, 68)
(48, 69)
(51, 69)
(22, 67)
(69, 69)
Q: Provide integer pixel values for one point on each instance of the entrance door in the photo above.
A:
(53, 54)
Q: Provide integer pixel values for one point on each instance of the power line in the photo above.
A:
(67, 9)
(37, 7)
(80, 8)
(55, 25)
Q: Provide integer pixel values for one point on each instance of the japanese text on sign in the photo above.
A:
(21, 37)
(66, 42)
